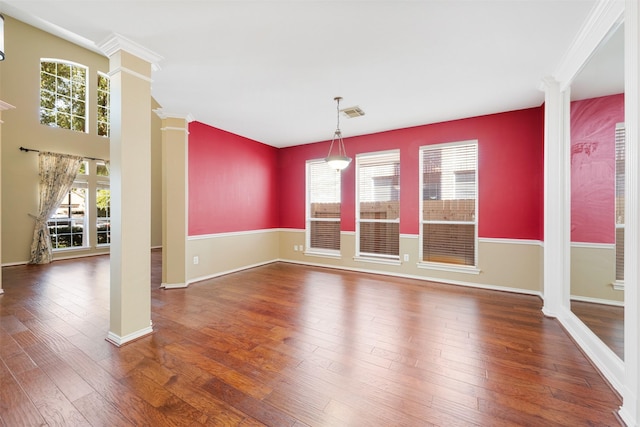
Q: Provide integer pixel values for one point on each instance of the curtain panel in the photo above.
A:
(57, 173)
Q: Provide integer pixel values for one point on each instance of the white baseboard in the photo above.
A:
(119, 341)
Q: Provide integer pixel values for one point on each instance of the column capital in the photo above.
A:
(116, 42)
(160, 112)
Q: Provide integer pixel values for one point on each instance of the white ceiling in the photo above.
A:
(269, 70)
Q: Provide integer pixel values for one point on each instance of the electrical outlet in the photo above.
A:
(196, 260)
(301, 248)
(406, 257)
(295, 248)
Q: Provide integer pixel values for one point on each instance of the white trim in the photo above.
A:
(224, 273)
(116, 42)
(130, 72)
(374, 260)
(597, 301)
(605, 16)
(233, 233)
(587, 245)
(453, 268)
(331, 255)
(630, 410)
(160, 112)
(409, 236)
(605, 360)
(618, 285)
(184, 130)
(173, 285)
(511, 241)
(119, 341)
(5, 106)
(422, 278)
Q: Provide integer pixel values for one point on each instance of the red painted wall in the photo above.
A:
(510, 172)
(232, 182)
(593, 124)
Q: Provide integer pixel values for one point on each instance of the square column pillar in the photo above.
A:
(130, 168)
(175, 187)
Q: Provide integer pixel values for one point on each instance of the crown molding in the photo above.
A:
(116, 42)
(605, 16)
(168, 115)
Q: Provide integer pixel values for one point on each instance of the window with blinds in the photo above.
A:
(620, 161)
(323, 208)
(449, 188)
(378, 205)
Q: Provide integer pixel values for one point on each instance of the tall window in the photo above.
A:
(449, 203)
(378, 205)
(620, 161)
(103, 205)
(68, 224)
(323, 207)
(103, 104)
(63, 95)
(83, 217)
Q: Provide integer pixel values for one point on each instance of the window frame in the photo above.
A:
(107, 123)
(89, 179)
(452, 267)
(57, 93)
(368, 159)
(309, 220)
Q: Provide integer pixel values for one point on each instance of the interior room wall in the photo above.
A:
(593, 125)
(20, 86)
(233, 202)
(510, 186)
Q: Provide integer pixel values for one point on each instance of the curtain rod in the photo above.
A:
(26, 150)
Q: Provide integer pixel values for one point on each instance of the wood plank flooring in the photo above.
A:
(288, 345)
(606, 321)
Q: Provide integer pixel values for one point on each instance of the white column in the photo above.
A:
(130, 168)
(630, 393)
(3, 106)
(557, 204)
(175, 188)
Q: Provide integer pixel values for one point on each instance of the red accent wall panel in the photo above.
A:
(593, 124)
(232, 182)
(510, 172)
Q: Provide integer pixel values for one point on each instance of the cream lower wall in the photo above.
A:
(509, 265)
(593, 272)
(224, 253)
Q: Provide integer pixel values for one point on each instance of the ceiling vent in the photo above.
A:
(352, 112)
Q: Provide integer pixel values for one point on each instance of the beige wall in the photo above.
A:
(25, 46)
(593, 270)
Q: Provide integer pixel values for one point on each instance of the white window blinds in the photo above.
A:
(620, 162)
(449, 203)
(378, 207)
(323, 207)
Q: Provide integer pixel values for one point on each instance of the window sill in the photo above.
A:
(467, 269)
(618, 285)
(374, 260)
(103, 246)
(332, 255)
(72, 249)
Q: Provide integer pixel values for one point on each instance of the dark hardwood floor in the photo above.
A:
(606, 321)
(287, 345)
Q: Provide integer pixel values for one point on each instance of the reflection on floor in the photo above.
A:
(606, 321)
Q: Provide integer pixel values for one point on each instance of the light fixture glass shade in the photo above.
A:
(1, 37)
(338, 162)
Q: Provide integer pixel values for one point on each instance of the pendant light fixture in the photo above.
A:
(339, 160)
